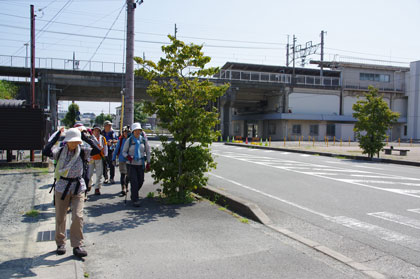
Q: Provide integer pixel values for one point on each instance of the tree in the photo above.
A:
(374, 118)
(101, 118)
(71, 115)
(139, 114)
(7, 90)
(182, 102)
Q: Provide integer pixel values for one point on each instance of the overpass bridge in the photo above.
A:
(252, 89)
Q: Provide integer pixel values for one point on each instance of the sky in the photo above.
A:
(367, 31)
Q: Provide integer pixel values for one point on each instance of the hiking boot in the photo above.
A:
(97, 192)
(112, 181)
(106, 181)
(123, 193)
(61, 249)
(79, 252)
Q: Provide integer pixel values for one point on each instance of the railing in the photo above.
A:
(278, 78)
(62, 64)
(380, 86)
(115, 67)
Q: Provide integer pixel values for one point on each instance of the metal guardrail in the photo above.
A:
(62, 64)
(278, 78)
(379, 86)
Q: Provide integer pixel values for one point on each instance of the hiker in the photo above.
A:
(111, 140)
(70, 186)
(122, 160)
(97, 160)
(137, 151)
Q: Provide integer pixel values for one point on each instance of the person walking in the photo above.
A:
(122, 160)
(70, 186)
(137, 151)
(111, 140)
(96, 162)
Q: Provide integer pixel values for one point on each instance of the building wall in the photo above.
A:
(304, 103)
(413, 109)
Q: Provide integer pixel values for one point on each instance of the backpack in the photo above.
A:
(85, 172)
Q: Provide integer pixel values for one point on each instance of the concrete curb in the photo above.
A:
(252, 211)
(18, 165)
(361, 158)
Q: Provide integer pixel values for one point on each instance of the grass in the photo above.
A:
(32, 213)
(151, 195)
(340, 157)
(86, 275)
(244, 220)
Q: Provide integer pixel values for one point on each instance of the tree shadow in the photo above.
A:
(150, 210)
(23, 267)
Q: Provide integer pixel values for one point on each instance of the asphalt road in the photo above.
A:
(367, 211)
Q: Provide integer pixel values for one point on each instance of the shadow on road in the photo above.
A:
(18, 268)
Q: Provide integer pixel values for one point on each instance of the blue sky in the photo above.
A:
(231, 30)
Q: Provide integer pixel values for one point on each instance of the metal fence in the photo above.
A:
(278, 78)
(62, 64)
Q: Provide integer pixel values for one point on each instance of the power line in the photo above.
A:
(109, 30)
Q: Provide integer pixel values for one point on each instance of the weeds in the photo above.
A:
(32, 213)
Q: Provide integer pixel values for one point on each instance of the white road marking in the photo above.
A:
(397, 191)
(268, 151)
(386, 176)
(305, 155)
(415, 210)
(402, 220)
(382, 233)
(376, 231)
(271, 196)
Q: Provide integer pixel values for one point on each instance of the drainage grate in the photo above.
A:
(48, 235)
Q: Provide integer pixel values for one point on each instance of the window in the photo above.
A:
(296, 129)
(313, 130)
(236, 128)
(331, 130)
(375, 77)
(271, 127)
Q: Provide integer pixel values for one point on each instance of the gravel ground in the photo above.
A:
(22, 190)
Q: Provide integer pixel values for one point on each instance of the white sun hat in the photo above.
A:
(136, 126)
(73, 135)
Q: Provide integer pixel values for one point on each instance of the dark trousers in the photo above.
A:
(136, 174)
(109, 165)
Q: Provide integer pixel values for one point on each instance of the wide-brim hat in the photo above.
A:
(136, 126)
(126, 129)
(97, 127)
(107, 122)
(73, 135)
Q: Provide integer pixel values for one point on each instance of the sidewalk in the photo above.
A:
(164, 241)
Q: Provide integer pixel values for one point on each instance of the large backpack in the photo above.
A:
(85, 173)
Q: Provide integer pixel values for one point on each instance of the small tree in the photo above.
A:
(182, 103)
(71, 116)
(374, 118)
(7, 90)
(101, 118)
(139, 114)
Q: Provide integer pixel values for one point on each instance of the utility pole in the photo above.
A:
(129, 70)
(33, 55)
(32, 152)
(322, 53)
(287, 52)
(294, 51)
(176, 30)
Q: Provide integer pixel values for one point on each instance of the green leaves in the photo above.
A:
(7, 90)
(374, 119)
(183, 102)
(70, 118)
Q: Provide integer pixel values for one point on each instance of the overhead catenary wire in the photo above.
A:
(109, 30)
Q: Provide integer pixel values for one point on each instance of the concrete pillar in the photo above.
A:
(413, 92)
(53, 110)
